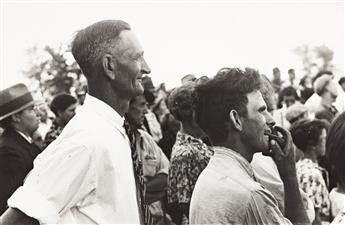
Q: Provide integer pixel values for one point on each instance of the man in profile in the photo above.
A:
(232, 112)
(154, 162)
(19, 120)
(86, 175)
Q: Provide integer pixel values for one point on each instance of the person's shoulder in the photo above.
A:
(149, 142)
(209, 204)
(87, 125)
(9, 143)
(145, 135)
(226, 182)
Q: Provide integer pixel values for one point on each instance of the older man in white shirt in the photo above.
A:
(86, 176)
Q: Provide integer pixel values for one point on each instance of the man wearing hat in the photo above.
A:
(17, 151)
(296, 112)
(154, 162)
(326, 88)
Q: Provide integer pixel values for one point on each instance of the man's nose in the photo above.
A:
(269, 119)
(146, 109)
(145, 69)
(37, 112)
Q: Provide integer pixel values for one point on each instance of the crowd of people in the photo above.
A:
(233, 148)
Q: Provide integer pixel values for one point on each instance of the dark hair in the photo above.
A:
(276, 69)
(291, 70)
(61, 102)
(180, 102)
(90, 43)
(335, 147)
(341, 81)
(226, 91)
(307, 132)
(267, 93)
(149, 96)
(288, 91)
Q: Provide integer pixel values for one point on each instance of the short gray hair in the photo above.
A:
(90, 43)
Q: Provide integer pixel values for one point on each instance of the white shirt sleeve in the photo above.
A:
(64, 176)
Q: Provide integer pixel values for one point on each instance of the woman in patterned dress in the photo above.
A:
(190, 154)
(310, 137)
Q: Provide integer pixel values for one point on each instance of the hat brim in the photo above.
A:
(19, 109)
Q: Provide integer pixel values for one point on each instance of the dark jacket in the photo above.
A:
(16, 160)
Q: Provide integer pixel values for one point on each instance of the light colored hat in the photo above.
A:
(295, 111)
(321, 83)
(14, 99)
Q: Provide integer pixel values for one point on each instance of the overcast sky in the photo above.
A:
(181, 37)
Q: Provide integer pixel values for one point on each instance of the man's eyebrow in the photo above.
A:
(129, 53)
(139, 54)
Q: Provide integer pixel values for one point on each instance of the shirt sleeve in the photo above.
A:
(63, 177)
(263, 209)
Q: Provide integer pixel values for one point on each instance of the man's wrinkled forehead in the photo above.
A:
(255, 100)
(128, 44)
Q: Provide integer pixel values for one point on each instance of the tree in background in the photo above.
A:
(54, 69)
(315, 59)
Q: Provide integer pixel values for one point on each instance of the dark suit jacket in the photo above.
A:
(16, 160)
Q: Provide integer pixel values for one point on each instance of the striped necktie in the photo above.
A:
(138, 173)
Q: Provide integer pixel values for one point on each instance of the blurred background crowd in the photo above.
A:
(306, 97)
(306, 106)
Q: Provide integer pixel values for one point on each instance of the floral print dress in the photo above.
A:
(310, 180)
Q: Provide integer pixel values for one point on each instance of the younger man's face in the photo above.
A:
(137, 110)
(256, 123)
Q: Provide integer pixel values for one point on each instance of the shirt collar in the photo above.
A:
(28, 138)
(229, 153)
(186, 138)
(104, 110)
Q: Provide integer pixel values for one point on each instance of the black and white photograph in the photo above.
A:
(172, 112)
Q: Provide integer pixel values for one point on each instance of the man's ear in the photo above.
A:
(235, 120)
(109, 66)
(15, 118)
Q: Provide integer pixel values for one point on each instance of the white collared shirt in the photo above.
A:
(85, 176)
(28, 138)
(226, 193)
